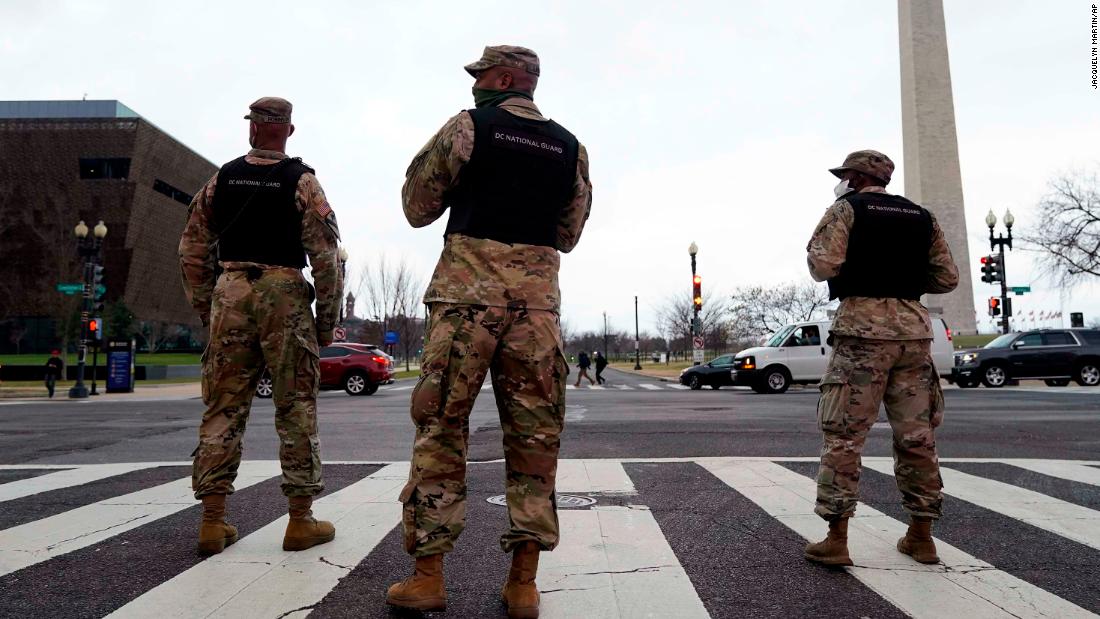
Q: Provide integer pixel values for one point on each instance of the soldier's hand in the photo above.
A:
(324, 338)
(205, 319)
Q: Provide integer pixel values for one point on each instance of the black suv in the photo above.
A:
(1053, 355)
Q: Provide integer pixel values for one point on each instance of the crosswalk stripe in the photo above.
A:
(77, 476)
(600, 476)
(962, 586)
(615, 562)
(40, 540)
(256, 578)
(676, 386)
(649, 386)
(596, 387)
(624, 387)
(1064, 470)
(1071, 521)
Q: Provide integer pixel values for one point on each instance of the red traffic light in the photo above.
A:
(93, 325)
(985, 259)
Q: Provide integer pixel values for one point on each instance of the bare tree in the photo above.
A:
(759, 310)
(1067, 235)
(391, 293)
(675, 313)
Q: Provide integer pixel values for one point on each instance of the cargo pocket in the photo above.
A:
(935, 399)
(307, 369)
(832, 407)
(428, 396)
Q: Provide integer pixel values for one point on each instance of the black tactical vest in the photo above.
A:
(518, 180)
(255, 214)
(887, 249)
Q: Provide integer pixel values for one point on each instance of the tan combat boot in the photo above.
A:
(520, 593)
(304, 531)
(833, 550)
(214, 532)
(917, 542)
(424, 589)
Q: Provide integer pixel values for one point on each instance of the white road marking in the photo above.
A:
(961, 586)
(76, 476)
(1064, 470)
(596, 387)
(623, 387)
(40, 540)
(649, 386)
(256, 578)
(615, 562)
(676, 386)
(603, 476)
(1069, 520)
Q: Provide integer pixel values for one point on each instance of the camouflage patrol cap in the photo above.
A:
(870, 162)
(505, 56)
(270, 110)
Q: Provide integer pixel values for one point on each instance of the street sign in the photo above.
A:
(697, 342)
(1019, 290)
(391, 337)
(697, 355)
(70, 288)
(340, 334)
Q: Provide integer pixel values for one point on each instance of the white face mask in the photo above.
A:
(841, 188)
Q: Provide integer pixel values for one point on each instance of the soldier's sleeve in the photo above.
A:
(320, 238)
(572, 219)
(828, 247)
(943, 273)
(435, 169)
(197, 260)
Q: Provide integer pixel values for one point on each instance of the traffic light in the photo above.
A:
(993, 268)
(98, 289)
(994, 306)
(95, 328)
(697, 291)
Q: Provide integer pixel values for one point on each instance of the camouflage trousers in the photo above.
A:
(862, 374)
(522, 349)
(256, 321)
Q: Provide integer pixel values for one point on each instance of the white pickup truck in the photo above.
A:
(797, 354)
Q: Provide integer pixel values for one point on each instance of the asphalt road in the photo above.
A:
(703, 503)
(632, 417)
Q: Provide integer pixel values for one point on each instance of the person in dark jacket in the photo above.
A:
(54, 367)
(583, 363)
(601, 363)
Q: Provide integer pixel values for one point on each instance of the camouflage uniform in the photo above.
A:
(260, 314)
(494, 308)
(881, 354)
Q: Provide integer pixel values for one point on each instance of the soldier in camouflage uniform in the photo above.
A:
(258, 218)
(879, 253)
(518, 192)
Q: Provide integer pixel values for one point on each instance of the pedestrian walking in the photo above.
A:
(601, 363)
(879, 253)
(55, 368)
(258, 218)
(583, 364)
(517, 187)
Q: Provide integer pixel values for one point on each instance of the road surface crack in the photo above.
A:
(291, 612)
(343, 567)
(82, 535)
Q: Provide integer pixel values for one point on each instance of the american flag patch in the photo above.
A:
(324, 210)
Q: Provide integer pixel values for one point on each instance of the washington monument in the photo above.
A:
(931, 146)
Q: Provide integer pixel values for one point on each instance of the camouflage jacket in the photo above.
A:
(481, 271)
(880, 319)
(320, 237)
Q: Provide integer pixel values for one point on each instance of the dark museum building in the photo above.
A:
(66, 161)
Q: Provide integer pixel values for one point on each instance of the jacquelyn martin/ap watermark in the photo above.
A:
(1094, 47)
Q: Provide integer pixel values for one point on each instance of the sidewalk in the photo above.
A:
(167, 391)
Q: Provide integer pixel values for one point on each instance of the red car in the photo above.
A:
(358, 369)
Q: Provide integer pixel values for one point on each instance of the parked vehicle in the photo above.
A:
(1055, 356)
(358, 369)
(798, 353)
(714, 374)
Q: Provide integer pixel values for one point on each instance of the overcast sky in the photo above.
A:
(705, 121)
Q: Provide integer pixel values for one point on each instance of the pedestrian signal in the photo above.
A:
(697, 291)
(994, 306)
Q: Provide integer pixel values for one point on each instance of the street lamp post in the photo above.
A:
(693, 249)
(637, 357)
(88, 249)
(999, 243)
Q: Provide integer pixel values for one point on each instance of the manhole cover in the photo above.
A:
(565, 501)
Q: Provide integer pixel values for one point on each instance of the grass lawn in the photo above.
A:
(670, 370)
(972, 341)
(162, 358)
